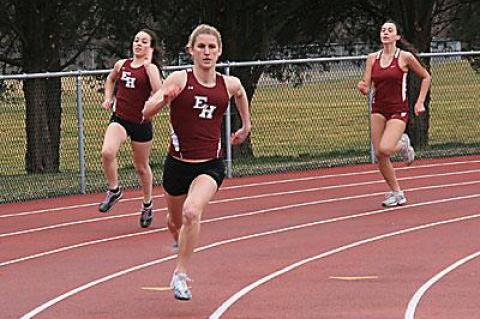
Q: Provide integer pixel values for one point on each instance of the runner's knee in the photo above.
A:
(384, 151)
(171, 223)
(191, 215)
(142, 169)
(108, 154)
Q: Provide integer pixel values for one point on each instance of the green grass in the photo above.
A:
(323, 122)
(455, 104)
(309, 119)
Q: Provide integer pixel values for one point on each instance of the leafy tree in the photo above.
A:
(44, 36)
(48, 36)
(466, 28)
(251, 29)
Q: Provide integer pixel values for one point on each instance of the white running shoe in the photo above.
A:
(180, 287)
(393, 199)
(407, 152)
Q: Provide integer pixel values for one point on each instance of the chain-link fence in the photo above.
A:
(305, 114)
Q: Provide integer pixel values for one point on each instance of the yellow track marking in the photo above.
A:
(352, 278)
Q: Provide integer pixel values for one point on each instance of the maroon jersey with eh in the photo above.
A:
(134, 89)
(196, 115)
(390, 86)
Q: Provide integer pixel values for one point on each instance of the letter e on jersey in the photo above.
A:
(207, 110)
(129, 81)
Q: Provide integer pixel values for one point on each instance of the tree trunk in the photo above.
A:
(249, 78)
(54, 111)
(43, 119)
(415, 18)
(418, 126)
(38, 138)
(242, 22)
(42, 96)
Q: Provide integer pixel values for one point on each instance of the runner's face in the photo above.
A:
(388, 33)
(205, 51)
(141, 44)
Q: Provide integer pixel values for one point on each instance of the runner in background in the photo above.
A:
(137, 79)
(386, 73)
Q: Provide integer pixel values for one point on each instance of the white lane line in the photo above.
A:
(55, 226)
(238, 295)
(91, 284)
(70, 207)
(414, 301)
(97, 219)
(280, 181)
(247, 214)
(79, 245)
(314, 189)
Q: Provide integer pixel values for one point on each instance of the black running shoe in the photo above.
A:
(146, 216)
(110, 199)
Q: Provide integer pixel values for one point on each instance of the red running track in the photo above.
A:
(313, 244)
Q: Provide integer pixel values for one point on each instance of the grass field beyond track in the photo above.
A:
(322, 121)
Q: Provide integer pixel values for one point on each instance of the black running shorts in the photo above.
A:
(178, 175)
(142, 132)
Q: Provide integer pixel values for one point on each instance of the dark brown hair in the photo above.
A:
(157, 54)
(404, 45)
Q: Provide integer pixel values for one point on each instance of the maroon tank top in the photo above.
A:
(134, 89)
(196, 116)
(390, 86)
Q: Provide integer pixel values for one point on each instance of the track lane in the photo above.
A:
(268, 252)
(227, 208)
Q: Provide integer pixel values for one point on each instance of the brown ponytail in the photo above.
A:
(157, 55)
(404, 45)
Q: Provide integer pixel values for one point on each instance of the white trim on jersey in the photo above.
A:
(404, 87)
(175, 142)
(219, 148)
(396, 55)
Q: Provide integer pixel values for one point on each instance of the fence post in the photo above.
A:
(81, 136)
(228, 131)
(372, 151)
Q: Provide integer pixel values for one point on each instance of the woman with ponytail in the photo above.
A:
(138, 78)
(386, 74)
